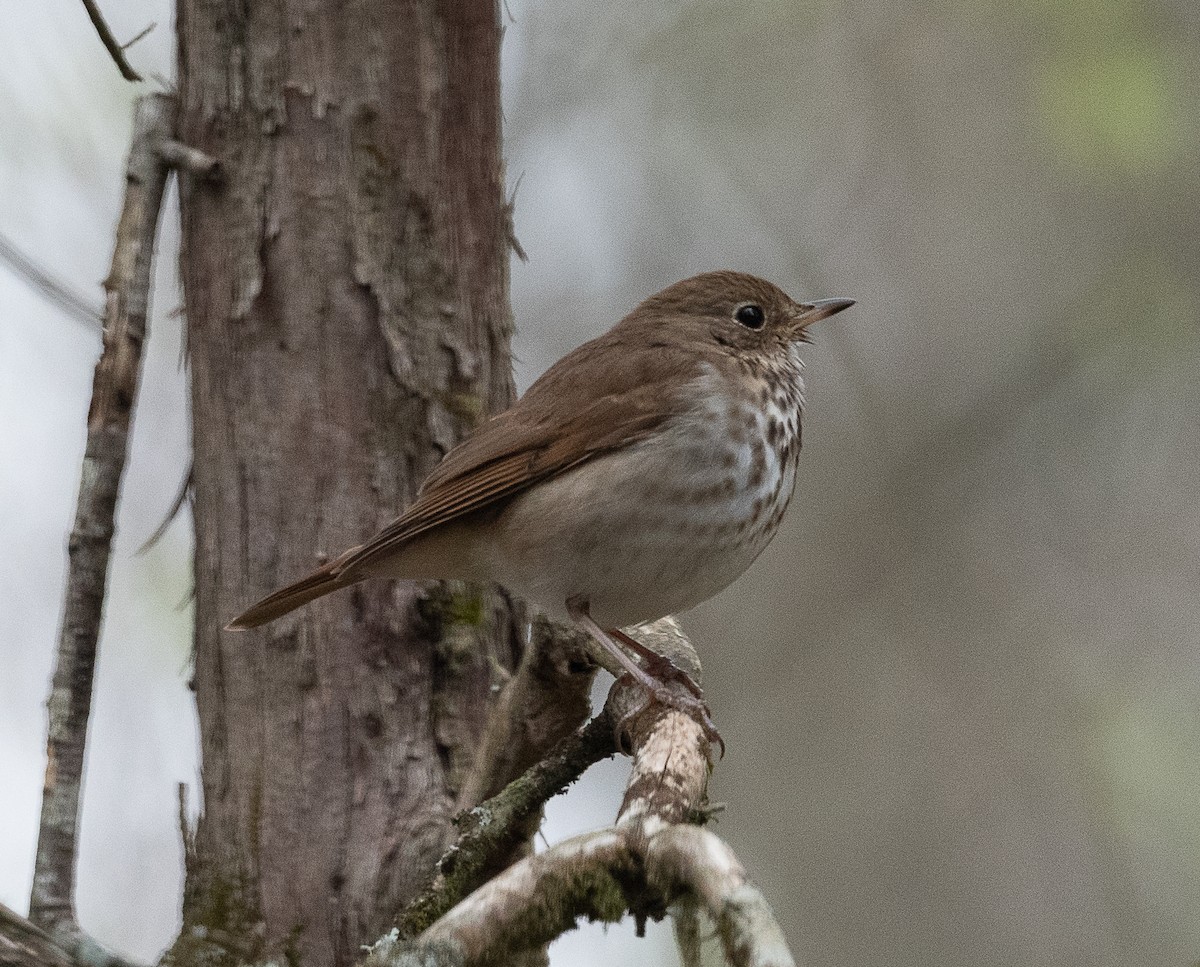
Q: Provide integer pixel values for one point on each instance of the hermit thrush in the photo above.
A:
(642, 474)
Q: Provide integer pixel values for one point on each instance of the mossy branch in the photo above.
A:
(494, 828)
(649, 859)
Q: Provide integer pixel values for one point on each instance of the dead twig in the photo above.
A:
(42, 282)
(183, 157)
(115, 51)
(139, 35)
(24, 945)
(114, 389)
(181, 497)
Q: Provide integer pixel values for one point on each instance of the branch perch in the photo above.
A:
(649, 859)
(495, 828)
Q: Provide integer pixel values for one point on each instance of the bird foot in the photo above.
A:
(659, 667)
(691, 702)
(655, 673)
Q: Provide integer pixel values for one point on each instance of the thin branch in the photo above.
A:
(509, 222)
(114, 49)
(185, 490)
(537, 714)
(42, 282)
(114, 389)
(700, 862)
(493, 829)
(139, 35)
(24, 945)
(183, 157)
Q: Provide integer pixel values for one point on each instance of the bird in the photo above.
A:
(640, 475)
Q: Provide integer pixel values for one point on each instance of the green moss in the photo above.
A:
(604, 895)
(592, 893)
(466, 607)
(454, 612)
(448, 604)
(468, 407)
(220, 922)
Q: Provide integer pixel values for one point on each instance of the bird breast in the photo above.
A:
(663, 524)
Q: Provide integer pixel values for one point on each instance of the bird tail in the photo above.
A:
(322, 581)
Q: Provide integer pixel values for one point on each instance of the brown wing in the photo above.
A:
(605, 395)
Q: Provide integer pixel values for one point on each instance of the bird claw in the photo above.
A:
(691, 705)
(659, 667)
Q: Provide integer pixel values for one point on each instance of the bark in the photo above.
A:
(348, 321)
(24, 945)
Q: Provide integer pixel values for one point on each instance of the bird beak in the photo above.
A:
(810, 312)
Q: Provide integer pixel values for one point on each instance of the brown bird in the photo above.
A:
(642, 474)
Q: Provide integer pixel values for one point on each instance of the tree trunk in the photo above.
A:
(347, 301)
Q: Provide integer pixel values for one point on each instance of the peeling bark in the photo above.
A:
(347, 299)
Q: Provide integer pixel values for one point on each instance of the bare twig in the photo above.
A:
(139, 35)
(184, 157)
(181, 497)
(510, 208)
(115, 51)
(114, 389)
(44, 283)
(648, 860)
(24, 944)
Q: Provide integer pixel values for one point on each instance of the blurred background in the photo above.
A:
(961, 690)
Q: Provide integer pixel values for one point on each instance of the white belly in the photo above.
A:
(654, 529)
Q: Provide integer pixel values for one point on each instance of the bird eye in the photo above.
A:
(750, 316)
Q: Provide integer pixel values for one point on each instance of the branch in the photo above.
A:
(495, 828)
(24, 945)
(183, 157)
(648, 860)
(537, 714)
(114, 389)
(181, 498)
(41, 281)
(110, 42)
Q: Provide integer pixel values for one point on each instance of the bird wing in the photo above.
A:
(600, 398)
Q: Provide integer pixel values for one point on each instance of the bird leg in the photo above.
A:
(654, 677)
(659, 666)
